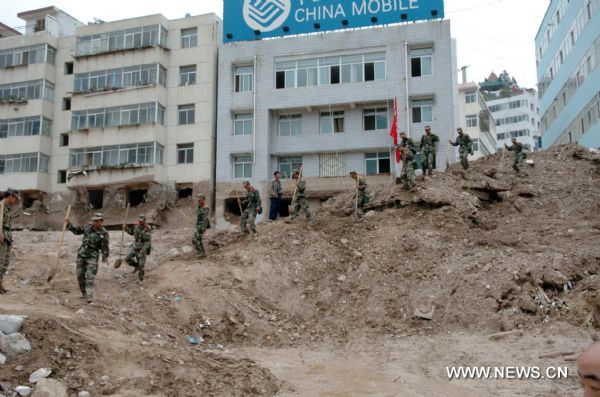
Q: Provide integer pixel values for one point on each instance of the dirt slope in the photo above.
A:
(480, 252)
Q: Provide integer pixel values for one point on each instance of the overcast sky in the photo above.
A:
(491, 34)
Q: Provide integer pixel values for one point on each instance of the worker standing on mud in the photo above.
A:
(428, 150)
(10, 198)
(141, 247)
(275, 196)
(94, 243)
(301, 203)
(408, 152)
(465, 147)
(588, 370)
(363, 197)
(520, 154)
(202, 225)
(253, 207)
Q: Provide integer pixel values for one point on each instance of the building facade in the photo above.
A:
(476, 120)
(516, 116)
(119, 105)
(325, 102)
(567, 59)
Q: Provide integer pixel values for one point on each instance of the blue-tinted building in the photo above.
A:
(567, 59)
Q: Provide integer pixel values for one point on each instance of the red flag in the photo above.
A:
(394, 130)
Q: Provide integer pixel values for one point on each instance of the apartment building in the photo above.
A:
(567, 59)
(325, 102)
(113, 106)
(476, 120)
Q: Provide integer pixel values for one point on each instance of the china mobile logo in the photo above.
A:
(266, 15)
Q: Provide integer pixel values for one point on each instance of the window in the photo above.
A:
(62, 177)
(189, 37)
(145, 113)
(331, 70)
(375, 119)
(63, 140)
(285, 75)
(377, 163)
(472, 120)
(242, 124)
(288, 164)
(332, 164)
(66, 104)
(243, 78)
(187, 75)
(242, 166)
(420, 61)
(290, 125)
(68, 67)
(187, 114)
(332, 122)
(133, 76)
(140, 154)
(24, 163)
(185, 153)
(375, 66)
(122, 40)
(422, 111)
(471, 97)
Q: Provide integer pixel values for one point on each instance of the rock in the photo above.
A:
(344, 241)
(10, 324)
(39, 375)
(363, 268)
(187, 250)
(50, 388)
(2, 359)
(14, 344)
(173, 253)
(528, 305)
(84, 394)
(296, 242)
(370, 214)
(23, 390)
(342, 278)
(425, 313)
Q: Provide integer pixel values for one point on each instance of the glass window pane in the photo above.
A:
(426, 66)
(371, 167)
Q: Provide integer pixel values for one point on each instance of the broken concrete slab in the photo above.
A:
(10, 324)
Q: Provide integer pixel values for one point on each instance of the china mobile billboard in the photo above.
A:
(258, 19)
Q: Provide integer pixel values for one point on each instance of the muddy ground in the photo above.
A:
(379, 307)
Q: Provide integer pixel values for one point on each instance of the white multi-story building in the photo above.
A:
(117, 105)
(476, 120)
(516, 117)
(325, 102)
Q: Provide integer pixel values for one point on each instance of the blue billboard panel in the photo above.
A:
(258, 19)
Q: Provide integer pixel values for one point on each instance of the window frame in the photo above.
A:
(246, 162)
(188, 111)
(187, 149)
(333, 115)
(378, 159)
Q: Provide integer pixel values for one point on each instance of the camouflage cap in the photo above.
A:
(11, 192)
(142, 217)
(353, 173)
(246, 183)
(98, 216)
(402, 133)
(459, 129)
(295, 171)
(200, 196)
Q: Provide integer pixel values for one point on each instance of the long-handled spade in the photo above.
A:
(53, 270)
(356, 198)
(119, 260)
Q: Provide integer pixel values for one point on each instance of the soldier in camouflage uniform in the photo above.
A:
(11, 197)
(253, 207)
(466, 147)
(141, 247)
(301, 202)
(428, 150)
(363, 196)
(408, 152)
(202, 225)
(95, 242)
(520, 154)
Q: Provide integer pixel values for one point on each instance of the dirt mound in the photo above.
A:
(464, 254)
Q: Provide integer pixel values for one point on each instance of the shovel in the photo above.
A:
(53, 271)
(120, 258)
